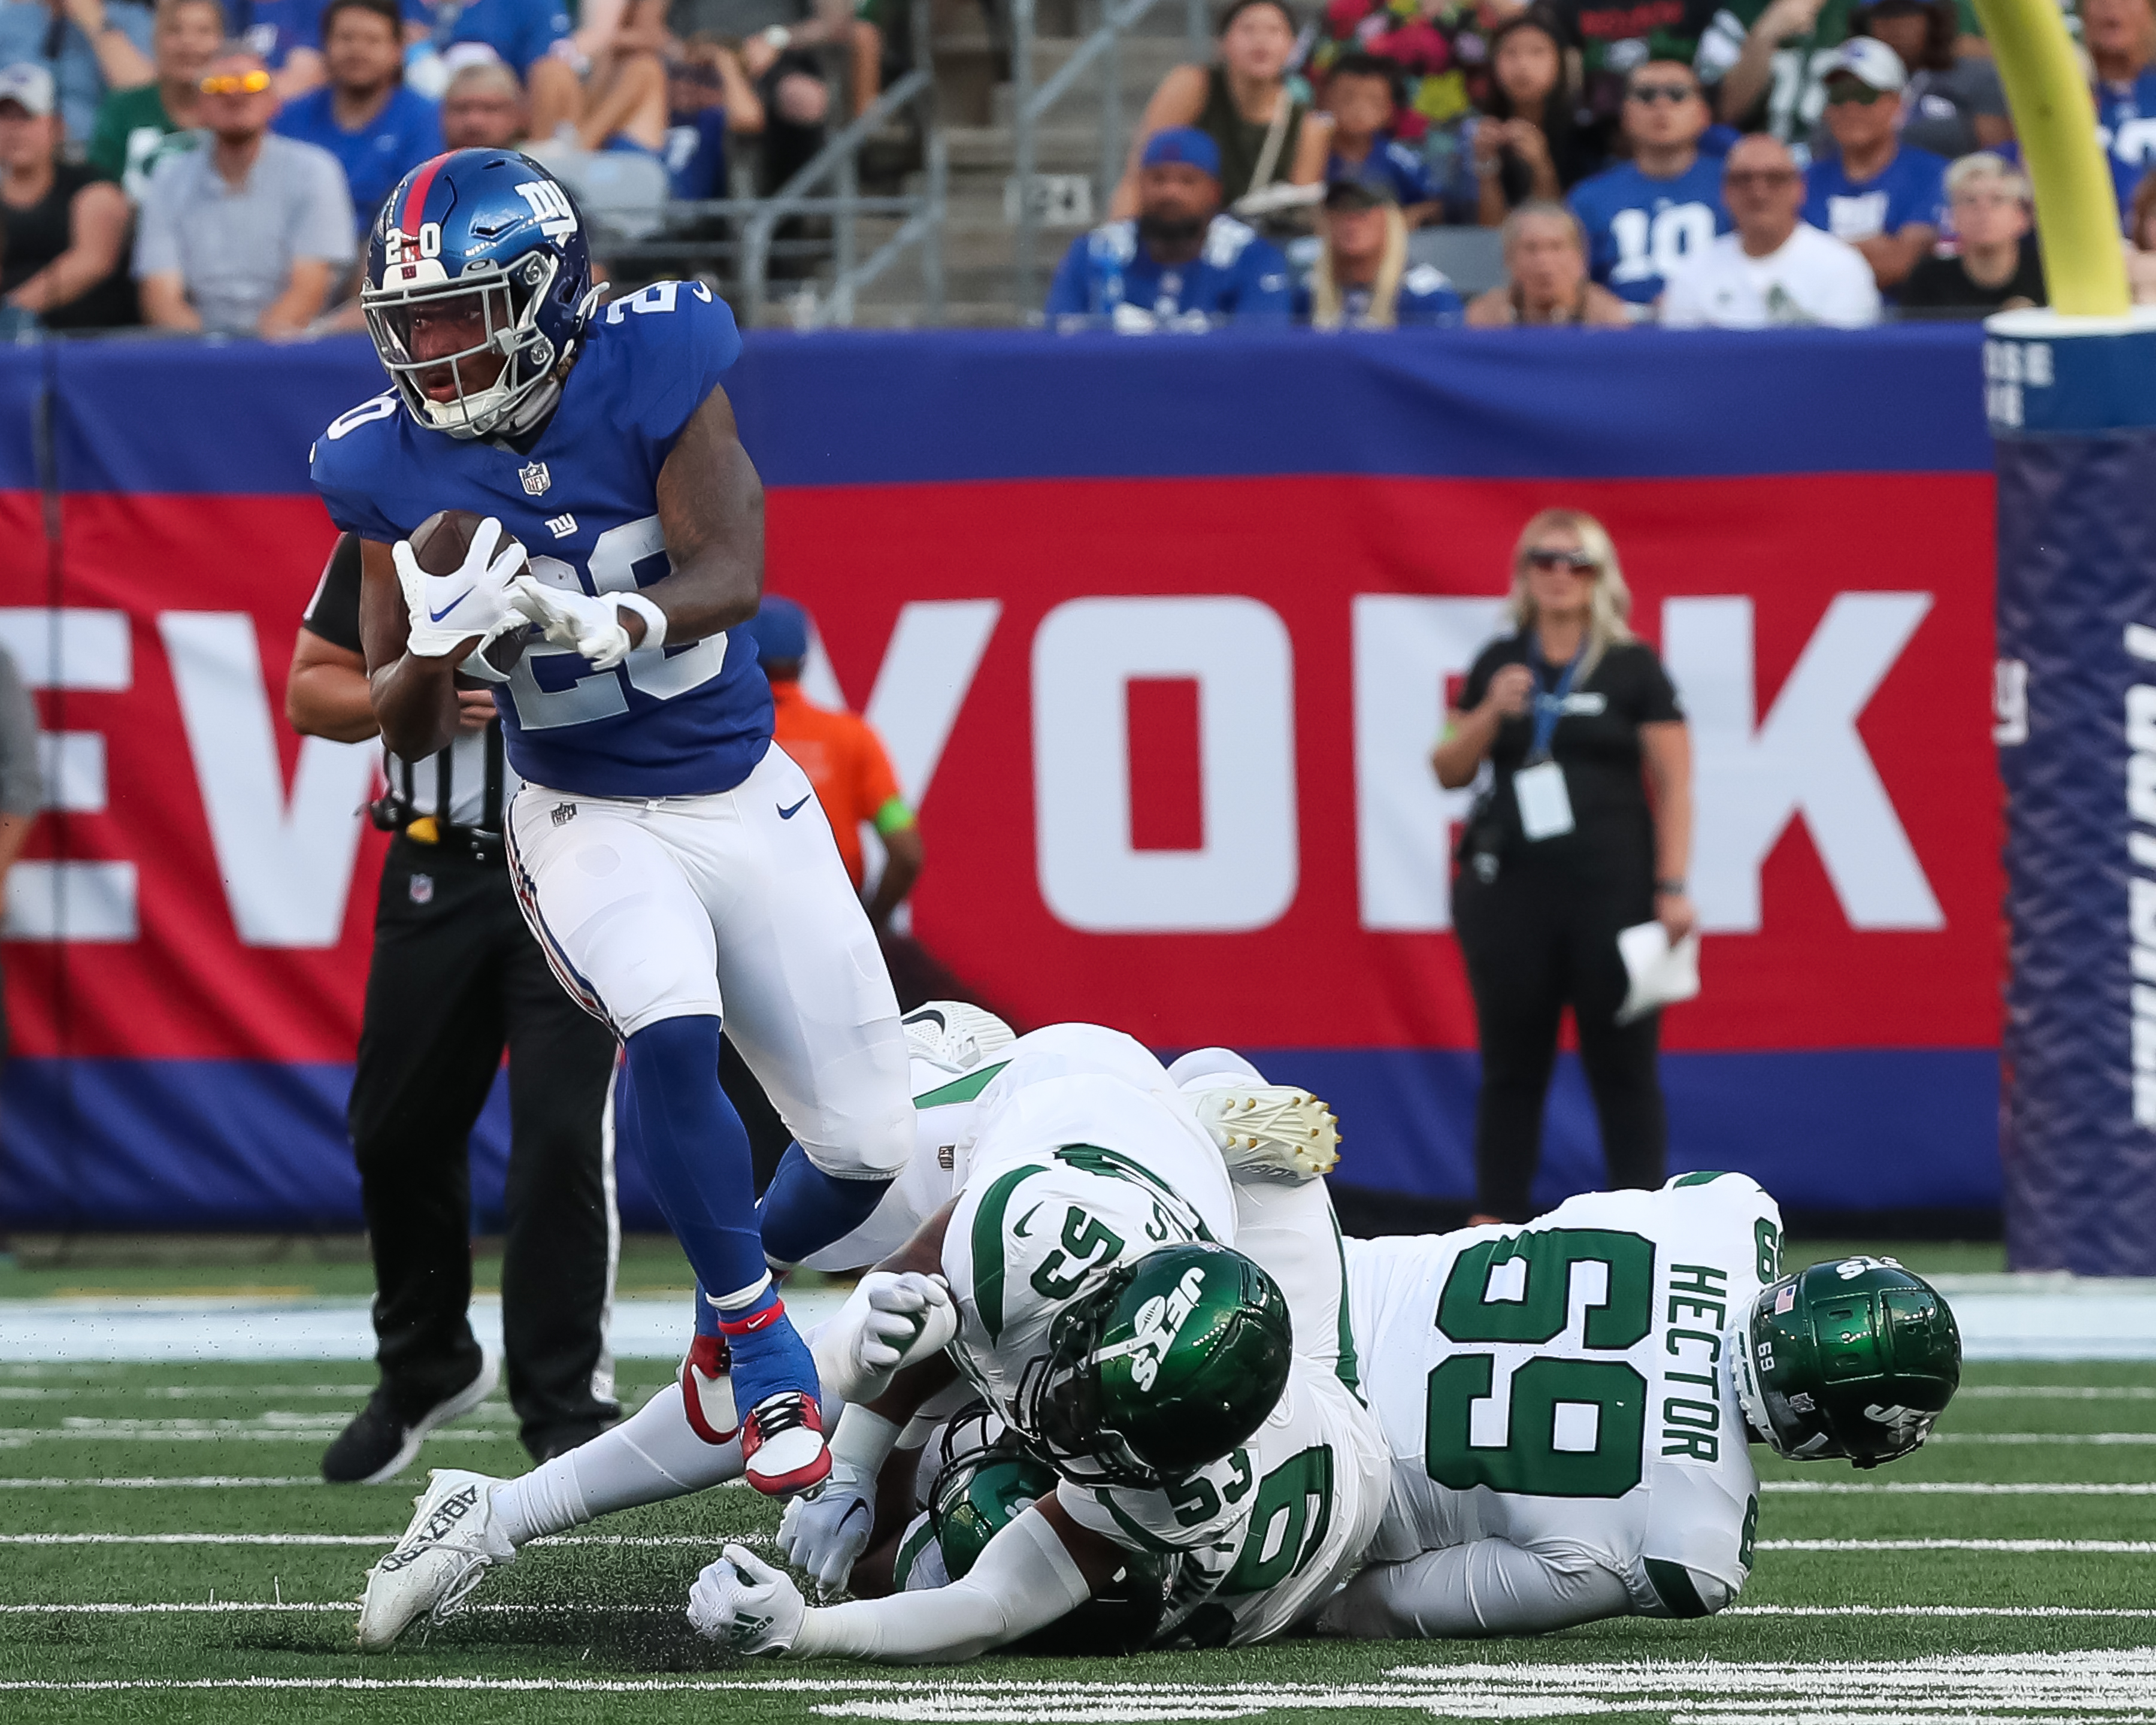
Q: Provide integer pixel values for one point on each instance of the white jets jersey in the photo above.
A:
(1561, 1385)
(949, 1106)
(1266, 1534)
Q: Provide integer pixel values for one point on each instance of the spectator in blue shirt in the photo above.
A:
(377, 130)
(2120, 36)
(89, 46)
(530, 36)
(1179, 264)
(1362, 95)
(1362, 279)
(1645, 216)
(708, 95)
(287, 33)
(1885, 197)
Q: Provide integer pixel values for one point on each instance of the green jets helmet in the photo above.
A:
(986, 1480)
(1173, 1362)
(1854, 1357)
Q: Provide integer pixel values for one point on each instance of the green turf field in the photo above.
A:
(2008, 1572)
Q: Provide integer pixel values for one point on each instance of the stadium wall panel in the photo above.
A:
(998, 535)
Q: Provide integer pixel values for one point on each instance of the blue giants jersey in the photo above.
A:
(1639, 228)
(1236, 275)
(681, 721)
(1911, 188)
(2126, 127)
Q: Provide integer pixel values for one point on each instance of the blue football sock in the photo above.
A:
(695, 1149)
(768, 1354)
(804, 1209)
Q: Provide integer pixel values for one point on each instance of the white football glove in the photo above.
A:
(890, 1321)
(591, 627)
(745, 1605)
(825, 1532)
(448, 610)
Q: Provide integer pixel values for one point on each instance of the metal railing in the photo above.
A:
(1102, 47)
(758, 220)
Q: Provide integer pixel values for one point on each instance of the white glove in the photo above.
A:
(745, 1605)
(890, 1321)
(826, 1531)
(590, 627)
(448, 610)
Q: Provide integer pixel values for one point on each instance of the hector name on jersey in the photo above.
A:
(582, 498)
(1561, 1386)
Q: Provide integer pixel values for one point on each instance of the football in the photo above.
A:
(440, 545)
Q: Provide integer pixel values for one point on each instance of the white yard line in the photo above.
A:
(2042, 1437)
(16, 1437)
(2056, 1393)
(2134, 1547)
(178, 1392)
(184, 1482)
(1966, 1488)
(706, 1541)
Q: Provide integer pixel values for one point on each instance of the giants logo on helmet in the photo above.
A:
(550, 203)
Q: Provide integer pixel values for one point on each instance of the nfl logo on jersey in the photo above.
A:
(536, 478)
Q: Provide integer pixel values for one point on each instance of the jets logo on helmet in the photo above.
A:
(478, 287)
(1854, 1358)
(1160, 1320)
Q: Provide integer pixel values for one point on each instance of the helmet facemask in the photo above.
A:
(506, 326)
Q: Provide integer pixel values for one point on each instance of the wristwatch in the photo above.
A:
(1669, 888)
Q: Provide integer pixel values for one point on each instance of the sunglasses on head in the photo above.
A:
(1845, 90)
(1649, 94)
(1579, 562)
(235, 83)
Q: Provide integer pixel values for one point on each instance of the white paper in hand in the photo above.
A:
(1661, 974)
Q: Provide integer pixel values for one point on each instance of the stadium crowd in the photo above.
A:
(1766, 161)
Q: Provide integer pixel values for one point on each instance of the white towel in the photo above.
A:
(1661, 974)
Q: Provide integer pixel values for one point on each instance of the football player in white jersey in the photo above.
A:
(1189, 1406)
(684, 1442)
(1569, 1404)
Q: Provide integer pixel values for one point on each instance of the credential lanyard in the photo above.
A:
(1549, 705)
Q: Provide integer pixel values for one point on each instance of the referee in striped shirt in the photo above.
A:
(456, 976)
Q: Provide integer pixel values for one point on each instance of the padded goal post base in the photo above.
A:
(2072, 405)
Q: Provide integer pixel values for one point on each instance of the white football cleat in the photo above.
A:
(955, 1033)
(454, 1540)
(1272, 1131)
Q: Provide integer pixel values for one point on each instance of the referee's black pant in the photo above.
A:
(1536, 940)
(456, 975)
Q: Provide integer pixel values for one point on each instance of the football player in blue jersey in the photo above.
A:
(1645, 216)
(668, 857)
(1180, 264)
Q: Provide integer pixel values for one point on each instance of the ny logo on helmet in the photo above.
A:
(1159, 1321)
(550, 203)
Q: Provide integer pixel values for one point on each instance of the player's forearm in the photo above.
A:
(902, 860)
(711, 510)
(415, 703)
(331, 701)
(1023, 1581)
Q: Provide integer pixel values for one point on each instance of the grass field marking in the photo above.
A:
(1966, 1488)
(181, 1391)
(271, 1420)
(17, 1437)
(2118, 1547)
(1936, 1611)
(2057, 1392)
(710, 1541)
(2042, 1437)
(183, 1482)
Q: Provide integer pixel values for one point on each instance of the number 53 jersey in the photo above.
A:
(582, 498)
(1560, 1386)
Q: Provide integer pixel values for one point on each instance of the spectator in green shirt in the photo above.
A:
(1768, 57)
(136, 128)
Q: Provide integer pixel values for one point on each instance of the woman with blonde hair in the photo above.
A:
(1363, 279)
(1583, 828)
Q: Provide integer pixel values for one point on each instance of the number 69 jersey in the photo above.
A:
(1561, 1386)
(582, 499)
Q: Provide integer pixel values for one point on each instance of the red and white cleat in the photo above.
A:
(707, 1390)
(783, 1445)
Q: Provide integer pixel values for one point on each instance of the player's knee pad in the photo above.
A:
(863, 1125)
(1685, 1592)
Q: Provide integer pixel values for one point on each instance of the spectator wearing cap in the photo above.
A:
(1643, 216)
(89, 46)
(1362, 279)
(1361, 93)
(844, 759)
(63, 225)
(1270, 150)
(1775, 267)
(1178, 264)
(1954, 103)
(2120, 39)
(1996, 267)
(1546, 276)
(484, 109)
(378, 129)
(136, 128)
(1885, 199)
(248, 235)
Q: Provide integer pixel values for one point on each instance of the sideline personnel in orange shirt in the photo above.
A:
(844, 758)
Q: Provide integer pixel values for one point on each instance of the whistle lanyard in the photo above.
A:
(1549, 704)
